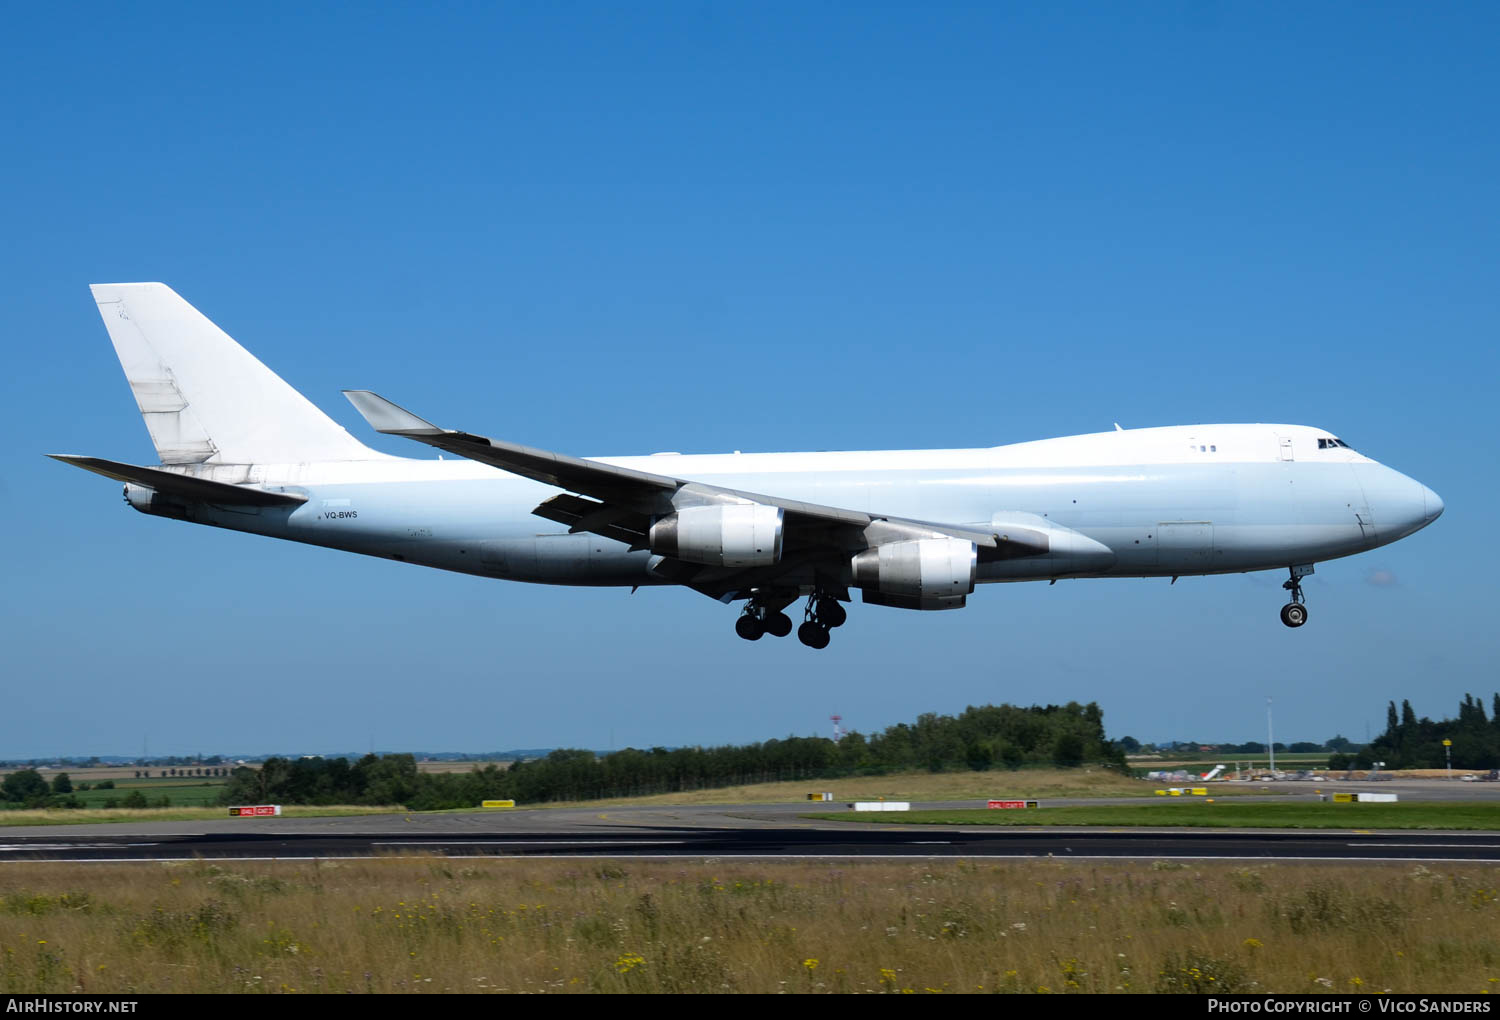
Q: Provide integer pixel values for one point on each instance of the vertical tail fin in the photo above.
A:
(205, 399)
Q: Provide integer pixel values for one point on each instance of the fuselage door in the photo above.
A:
(1286, 447)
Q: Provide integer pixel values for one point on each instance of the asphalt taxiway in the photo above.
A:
(1328, 845)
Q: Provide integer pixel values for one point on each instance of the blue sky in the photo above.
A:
(704, 227)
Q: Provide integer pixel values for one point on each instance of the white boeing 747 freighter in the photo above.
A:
(909, 529)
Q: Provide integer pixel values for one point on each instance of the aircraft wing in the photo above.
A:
(623, 501)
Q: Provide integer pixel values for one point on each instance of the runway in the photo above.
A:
(743, 830)
(701, 843)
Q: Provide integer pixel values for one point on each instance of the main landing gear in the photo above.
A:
(764, 616)
(760, 619)
(823, 614)
(1294, 613)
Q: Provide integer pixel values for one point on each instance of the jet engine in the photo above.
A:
(924, 568)
(728, 535)
(149, 501)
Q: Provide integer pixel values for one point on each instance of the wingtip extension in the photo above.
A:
(386, 417)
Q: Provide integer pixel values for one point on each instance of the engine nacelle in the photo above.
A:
(149, 501)
(924, 568)
(731, 535)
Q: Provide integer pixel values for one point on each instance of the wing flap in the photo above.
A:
(579, 514)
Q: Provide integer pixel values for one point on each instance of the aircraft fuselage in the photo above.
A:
(1169, 501)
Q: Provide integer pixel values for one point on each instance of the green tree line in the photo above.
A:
(28, 788)
(1412, 743)
(986, 737)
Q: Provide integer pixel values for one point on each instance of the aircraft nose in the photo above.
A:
(1432, 504)
(1401, 504)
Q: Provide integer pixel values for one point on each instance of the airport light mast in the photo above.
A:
(1270, 739)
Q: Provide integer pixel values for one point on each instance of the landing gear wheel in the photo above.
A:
(1294, 613)
(813, 635)
(749, 628)
(778, 624)
(831, 614)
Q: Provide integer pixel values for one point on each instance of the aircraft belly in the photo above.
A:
(581, 559)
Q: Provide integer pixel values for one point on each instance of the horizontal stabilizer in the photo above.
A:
(198, 490)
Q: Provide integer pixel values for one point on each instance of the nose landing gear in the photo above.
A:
(1294, 613)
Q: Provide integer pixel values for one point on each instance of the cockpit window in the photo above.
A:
(1333, 444)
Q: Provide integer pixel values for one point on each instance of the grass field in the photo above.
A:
(1299, 815)
(529, 925)
(920, 786)
(183, 792)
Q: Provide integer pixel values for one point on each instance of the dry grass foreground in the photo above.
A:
(531, 925)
